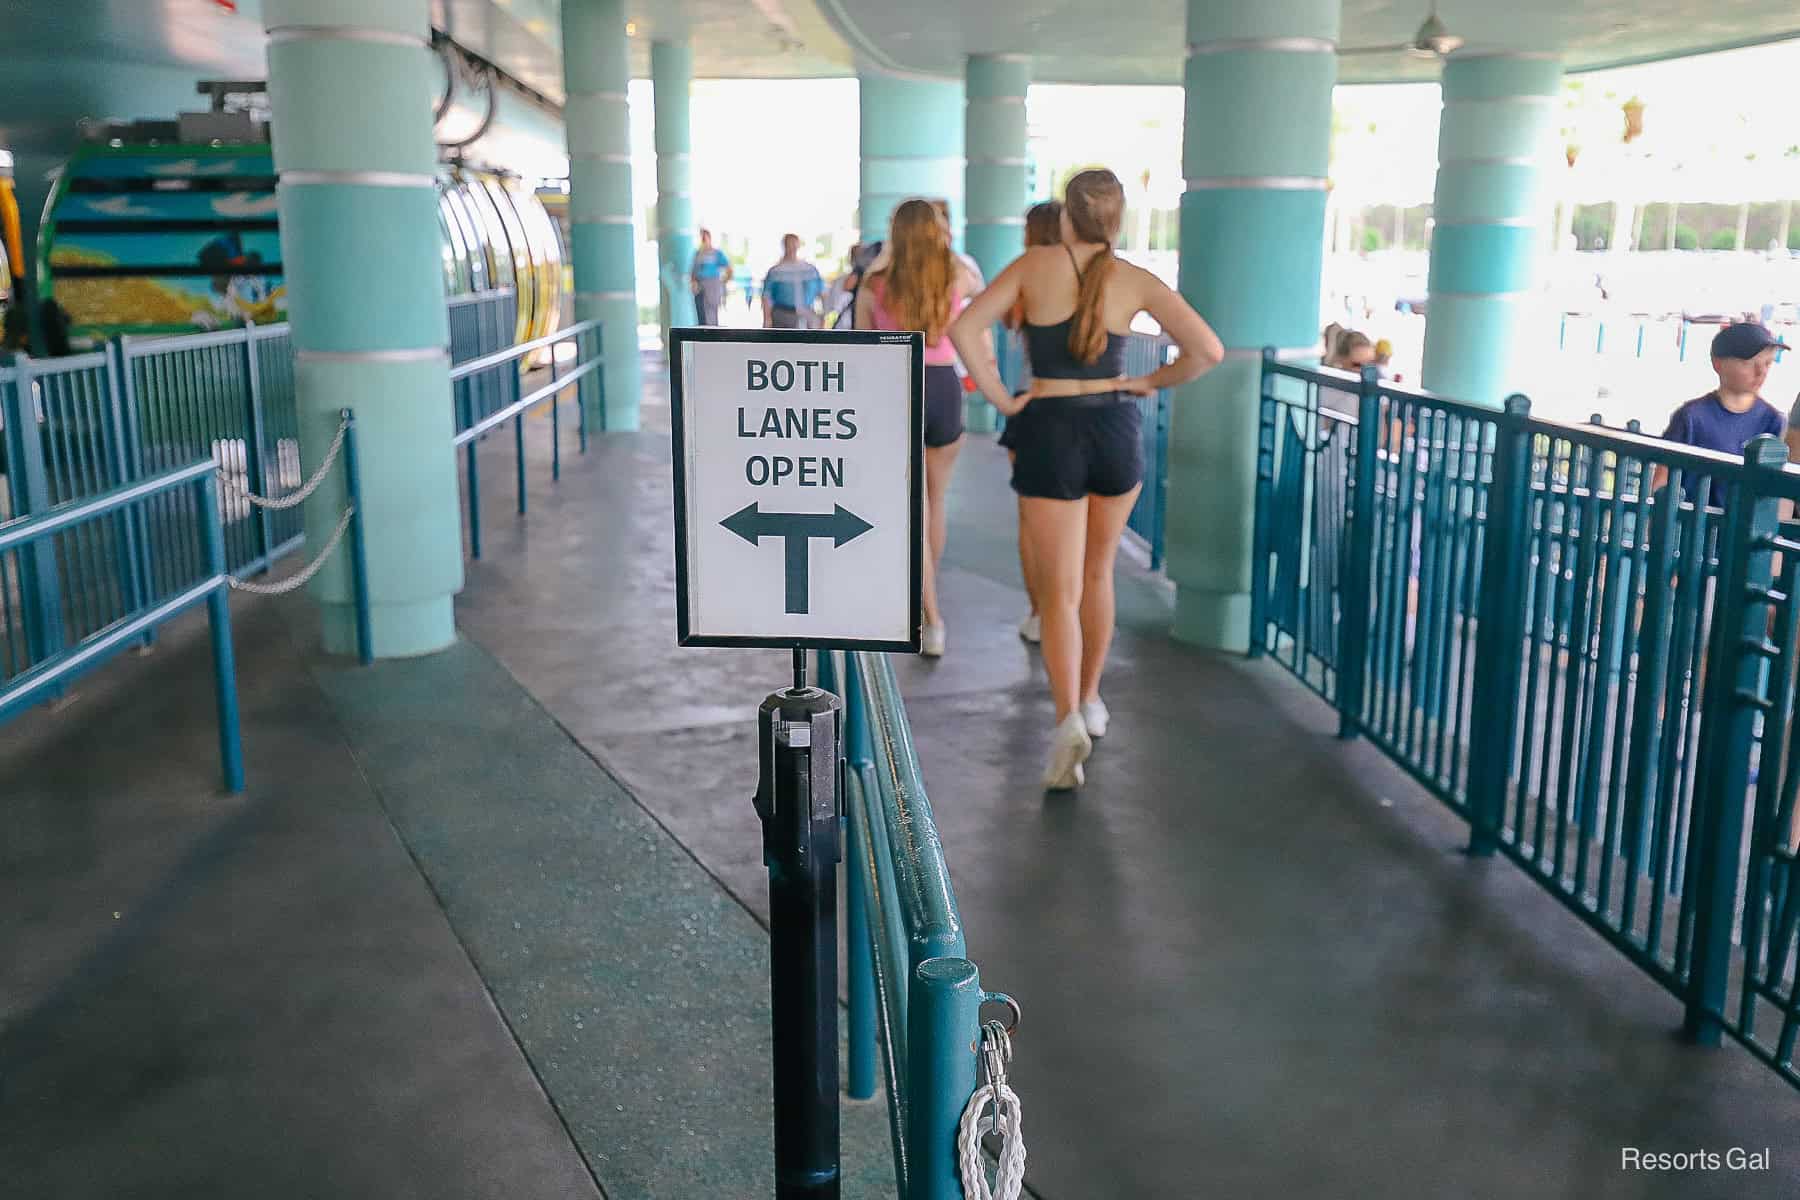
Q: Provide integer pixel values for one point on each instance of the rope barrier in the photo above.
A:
(293, 499)
(300, 580)
(1009, 1178)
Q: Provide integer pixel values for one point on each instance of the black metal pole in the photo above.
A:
(797, 799)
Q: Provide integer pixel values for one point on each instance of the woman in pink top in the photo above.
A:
(922, 288)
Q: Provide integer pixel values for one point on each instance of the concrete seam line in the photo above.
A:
(1268, 183)
(391, 179)
(345, 33)
(618, 97)
(1288, 45)
(420, 354)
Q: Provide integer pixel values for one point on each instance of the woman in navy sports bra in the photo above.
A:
(1079, 464)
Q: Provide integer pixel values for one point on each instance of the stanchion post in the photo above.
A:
(1262, 517)
(798, 736)
(218, 611)
(861, 1083)
(1499, 630)
(555, 420)
(943, 1026)
(1734, 697)
(1357, 565)
(359, 562)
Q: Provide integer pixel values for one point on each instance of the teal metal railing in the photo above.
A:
(109, 607)
(913, 991)
(471, 387)
(483, 324)
(1547, 626)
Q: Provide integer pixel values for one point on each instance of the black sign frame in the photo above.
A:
(915, 393)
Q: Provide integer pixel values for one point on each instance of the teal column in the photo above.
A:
(1255, 147)
(596, 72)
(1500, 121)
(912, 145)
(994, 180)
(350, 94)
(671, 78)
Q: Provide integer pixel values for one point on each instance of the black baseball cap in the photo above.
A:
(1747, 339)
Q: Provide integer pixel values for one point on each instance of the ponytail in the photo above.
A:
(1087, 328)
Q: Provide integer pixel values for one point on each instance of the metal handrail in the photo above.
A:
(517, 407)
(32, 526)
(501, 357)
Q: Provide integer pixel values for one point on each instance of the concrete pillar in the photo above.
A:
(912, 145)
(1787, 223)
(1743, 226)
(1674, 217)
(1255, 147)
(596, 72)
(1499, 125)
(994, 182)
(350, 92)
(671, 78)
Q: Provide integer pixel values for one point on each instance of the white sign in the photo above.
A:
(799, 487)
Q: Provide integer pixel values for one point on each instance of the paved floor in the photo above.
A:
(1252, 961)
(438, 951)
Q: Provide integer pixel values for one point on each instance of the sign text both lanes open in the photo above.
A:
(798, 487)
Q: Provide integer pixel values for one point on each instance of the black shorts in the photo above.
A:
(1009, 432)
(1075, 446)
(943, 406)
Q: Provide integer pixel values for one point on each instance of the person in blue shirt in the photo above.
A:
(1732, 415)
(709, 275)
(791, 290)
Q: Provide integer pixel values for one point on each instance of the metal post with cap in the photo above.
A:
(798, 799)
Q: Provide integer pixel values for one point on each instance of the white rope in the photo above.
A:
(295, 582)
(1006, 1121)
(292, 499)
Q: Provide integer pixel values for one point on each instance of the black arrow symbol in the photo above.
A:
(798, 529)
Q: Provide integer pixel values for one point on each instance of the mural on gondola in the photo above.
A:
(176, 239)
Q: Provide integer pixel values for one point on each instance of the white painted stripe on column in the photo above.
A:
(1269, 183)
(1510, 222)
(996, 161)
(1288, 45)
(996, 100)
(606, 295)
(393, 179)
(1532, 100)
(913, 158)
(668, 194)
(421, 354)
(996, 220)
(346, 33)
(607, 220)
(1282, 353)
(586, 156)
(672, 156)
(1518, 160)
(1506, 296)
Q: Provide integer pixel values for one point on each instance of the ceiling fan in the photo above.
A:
(1433, 40)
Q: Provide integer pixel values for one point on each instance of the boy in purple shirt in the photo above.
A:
(1732, 415)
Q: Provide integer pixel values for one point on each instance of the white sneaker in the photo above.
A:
(931, 641)
(1096, 717)
(1032, 629)
(1068, 750)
